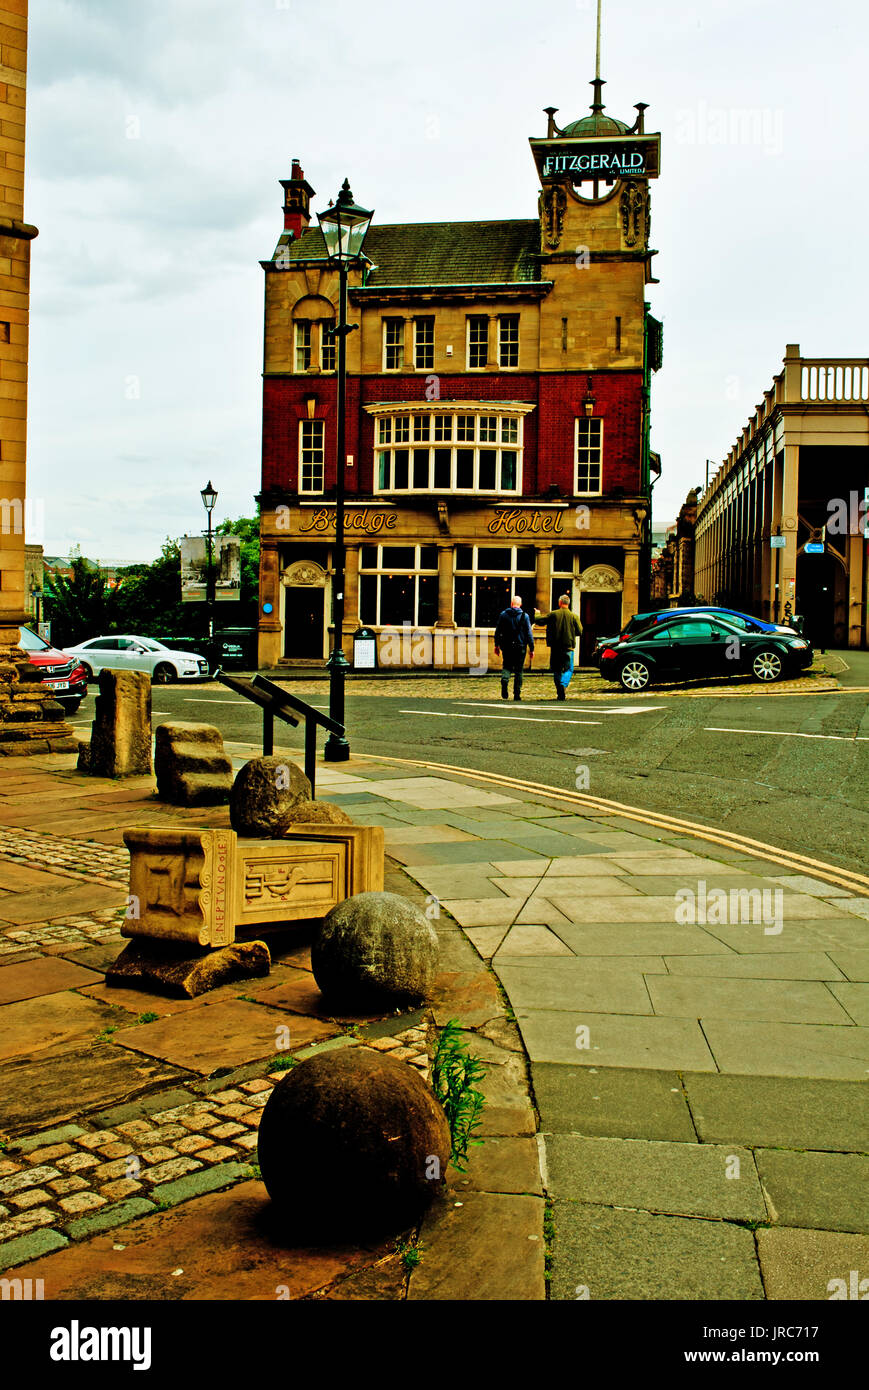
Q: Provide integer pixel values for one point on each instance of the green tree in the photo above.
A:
(247, 529)
(81, 606)
(149, 598)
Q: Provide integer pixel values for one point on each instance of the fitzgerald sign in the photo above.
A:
(618, 157)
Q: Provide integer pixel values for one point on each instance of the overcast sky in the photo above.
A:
(157, 132)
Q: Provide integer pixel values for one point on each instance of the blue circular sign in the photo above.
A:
(267, 608)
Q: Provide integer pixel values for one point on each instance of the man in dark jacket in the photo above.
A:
(513, 637)
(562, 629)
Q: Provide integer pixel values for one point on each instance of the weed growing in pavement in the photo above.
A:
(548, 1238)
(146, 1018)
(255, 1171)
(107, 1032)
(453, 1073)
(282, 1063)
(246, 998)
(410, 1252)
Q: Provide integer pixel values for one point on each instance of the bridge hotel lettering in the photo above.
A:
(498, 422)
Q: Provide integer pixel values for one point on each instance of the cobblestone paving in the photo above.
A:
(80, 859)
(94, 928)
(79, 1172)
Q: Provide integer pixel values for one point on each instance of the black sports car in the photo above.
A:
(689, 648)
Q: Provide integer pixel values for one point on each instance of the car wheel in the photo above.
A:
(163, 674)
(767, 666)
(71, 706)
(635, 675)
(88, 673)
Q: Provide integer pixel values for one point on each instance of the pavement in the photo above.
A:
(676, 1031)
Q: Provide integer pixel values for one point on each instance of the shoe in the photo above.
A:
(562, 694)
(518, 697)
(505, 694)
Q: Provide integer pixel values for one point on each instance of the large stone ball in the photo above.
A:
(352, 1143)
(263, 796)
(375, 949)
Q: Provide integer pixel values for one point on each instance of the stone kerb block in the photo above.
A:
(120, 744)
(192, 766)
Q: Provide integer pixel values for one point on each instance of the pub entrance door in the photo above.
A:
(303, 624)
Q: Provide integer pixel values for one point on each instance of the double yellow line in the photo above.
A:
(580, 801)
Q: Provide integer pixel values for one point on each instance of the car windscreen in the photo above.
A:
(30, 642)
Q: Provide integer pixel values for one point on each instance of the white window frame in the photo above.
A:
(587, 463)
(302, 344)
(382, 568)
(476, 318)
(502, 321)
(389, 322)
(324, 326)
(429, 321)
(387, 425)
(312, 462)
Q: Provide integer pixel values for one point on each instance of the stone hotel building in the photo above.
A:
(497, 431)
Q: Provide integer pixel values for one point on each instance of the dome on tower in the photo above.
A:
(596, 124)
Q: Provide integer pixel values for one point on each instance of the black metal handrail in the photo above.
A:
(280, 704)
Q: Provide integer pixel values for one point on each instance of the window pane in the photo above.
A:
(488, 429)
(424, 343)
(526, 557)
(464, 468)
(488, 458)
(393, 339)
(421, 427)
(443, 427)
(465, 428)
(428, 557)
(384, 430)
(478, 341)
(402, 429)
(368, 598)
(509, 430)
(327, 345)
(368, 558)
(492, 558)
(493, 596)
(420, 468)
(462, 600)
(398, 557)
(443, 467)
(383, 461)
(562, 560)
(399, 468)
(464, 557)
(508, 470)
(396, 599)
(427, 608)
(527, 591)
(508, 340)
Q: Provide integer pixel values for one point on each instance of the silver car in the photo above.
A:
(130, 653)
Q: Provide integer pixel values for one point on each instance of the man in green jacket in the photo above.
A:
(562, 629)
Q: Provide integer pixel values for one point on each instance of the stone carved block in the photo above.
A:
(201, 886)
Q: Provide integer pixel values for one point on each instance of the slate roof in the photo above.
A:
(440, 253)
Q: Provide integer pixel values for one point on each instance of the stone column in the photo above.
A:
(630, 583)
(789, 507)
(857, 618)
(270, 630)
(445, 585)
(543, 593)
(351, 596)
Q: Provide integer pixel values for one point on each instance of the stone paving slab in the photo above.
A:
(36, 1024)
(775, 1001)
(464, 852)
(602, 1253)
(501, 1165)
(779, 1111)
(829, 1191)
(811, 1265)
(574, 986)
(853, 964)
(801, 935)
(618, 939)
(798, 965)
(676, 1179)
(533, 941)
(618, 1102)
(615, 1040)
(218, 1035)
(457, 1231)
(47, 976)
(854, 998)
(789, 1049)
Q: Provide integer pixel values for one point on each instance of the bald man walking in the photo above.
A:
(513, 638)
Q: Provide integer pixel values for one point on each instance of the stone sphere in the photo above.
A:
(352, 1143)
(375, 949)
(263, 796)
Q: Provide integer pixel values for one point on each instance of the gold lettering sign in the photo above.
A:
(517, 521)
(371, 523)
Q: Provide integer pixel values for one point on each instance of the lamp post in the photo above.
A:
(344, 226)
(209, 498)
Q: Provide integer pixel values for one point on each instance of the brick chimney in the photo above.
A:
(297, 201)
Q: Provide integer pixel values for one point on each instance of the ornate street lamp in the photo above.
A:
(344, 226)
(209, 498)
(589, 401)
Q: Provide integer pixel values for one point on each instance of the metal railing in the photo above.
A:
(276, 703)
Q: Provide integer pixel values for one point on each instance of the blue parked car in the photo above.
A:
(743, 620)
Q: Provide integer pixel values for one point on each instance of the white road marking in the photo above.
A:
(515, 718)
(191, 700)
(580, 709)
(779, 733)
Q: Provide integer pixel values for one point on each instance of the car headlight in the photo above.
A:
(799, 645)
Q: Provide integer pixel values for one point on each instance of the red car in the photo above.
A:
(64, 675)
